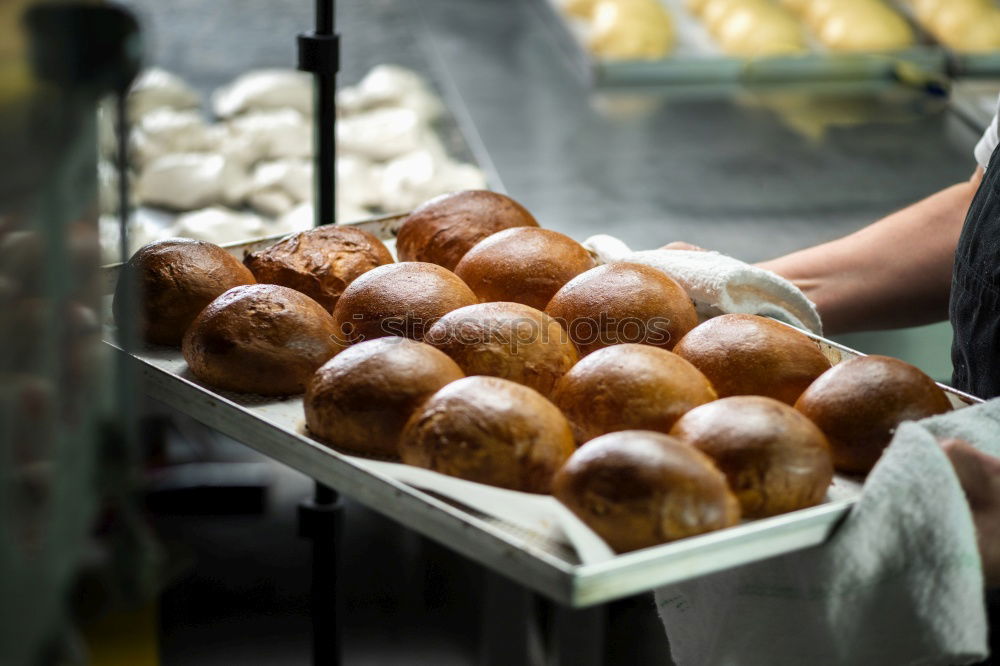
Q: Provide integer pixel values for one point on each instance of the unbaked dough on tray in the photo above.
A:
(246, 171)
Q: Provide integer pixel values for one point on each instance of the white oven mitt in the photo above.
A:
(719, 284)
(898, 584)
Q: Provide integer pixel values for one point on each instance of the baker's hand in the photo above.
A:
(979, 474)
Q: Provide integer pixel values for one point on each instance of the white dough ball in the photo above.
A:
(274, 134)
(292, 176)
(187, 181)
(271, 202)
(157, 88)
(380, 134)
(263, 90)
(164, 130)
(217, 225)
(357, 183)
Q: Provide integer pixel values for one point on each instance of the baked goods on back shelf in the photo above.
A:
(964, 25)
(856, 25)
(751, 28)
(631, 30)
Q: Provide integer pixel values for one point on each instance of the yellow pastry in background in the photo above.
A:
(923, 8)
(818, 11)
(874, 27)
(951, 20)
(767, 30)
(979, 35)
(580, 8)
(716, 11)
(695, 6)
(631, 30)
(795, 6)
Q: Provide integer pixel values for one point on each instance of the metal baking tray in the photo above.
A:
(274, 427)
(698, 61)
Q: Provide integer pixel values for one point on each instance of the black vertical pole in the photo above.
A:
(321, 521)
(320, 518)
(319, 53)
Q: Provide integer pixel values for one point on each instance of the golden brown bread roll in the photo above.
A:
(743, 354)
(858, 404)
(443, 229)
(507, 340)
(320, 262)
(622, 302)
(362, 397)
(629, 387)
(489, 430)
(175, 279)
(638, 489)
(776, 460)
(524, 265)
(260, 338)
(402, 299)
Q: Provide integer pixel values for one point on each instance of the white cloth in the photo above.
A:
(988, 143)
(718, 283)
(898, 584)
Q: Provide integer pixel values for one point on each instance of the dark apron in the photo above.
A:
(975, 317)
(975, 292)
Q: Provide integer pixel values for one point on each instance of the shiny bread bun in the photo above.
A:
(858, 404)
(507, 340)
(320, 262)
(622, 302)
(638, 489)
(175, 279)
(629, 387)
(443, 229)
(744, 354)
(523, 265)
(776, 460)
(261, 338)
(489, 430)
(361, 398)
(403, 299)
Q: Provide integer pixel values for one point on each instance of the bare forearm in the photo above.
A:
(895, 272)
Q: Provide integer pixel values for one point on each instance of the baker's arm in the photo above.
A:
(893, 273)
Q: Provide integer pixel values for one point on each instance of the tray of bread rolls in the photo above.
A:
(587, 429)
(691, 42)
